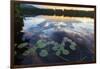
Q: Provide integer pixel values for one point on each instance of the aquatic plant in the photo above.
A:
(41, 48)
(58, 48)
(30, 51)
(40, 43)
(22, 45)
(43, 53)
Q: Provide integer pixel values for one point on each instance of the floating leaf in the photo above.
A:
(26, 53)
(69, 40)
(63, 43)
(73, 43)
(22, 45)
(65, 52)
(65, 39)
(51, 42)
(72, 47)
(55, 48)
(55, 44)
(58, 53)
(29, 51)
(43, 53)
(61, 47)
(40, 44)
(32, 52)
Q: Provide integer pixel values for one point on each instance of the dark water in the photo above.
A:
(82, 34)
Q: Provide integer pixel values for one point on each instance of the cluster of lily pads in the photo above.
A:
(56, 47)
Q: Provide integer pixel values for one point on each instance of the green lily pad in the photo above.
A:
(55, 43)
(26, 53)
(65, 52)
(72, 47)
(65, 39)
(69, 40)
(22, 45)
(55, 48)
(58, 53)
(29, 51)
(40, 44)
(43, 53)
(51, 42)
(61, 48)
(73, 43)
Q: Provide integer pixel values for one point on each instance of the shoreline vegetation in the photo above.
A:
(28, 10)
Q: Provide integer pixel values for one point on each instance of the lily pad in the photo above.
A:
(26, 53)
(43, 53)
(55, 48)
(29, 51)
(69, 40)
(61, 47)
(65, 52)
(73, 43)
(22, 45)
(40, 44)
(58, 53)
(72, 47)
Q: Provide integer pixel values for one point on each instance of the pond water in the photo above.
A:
(79, 30)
